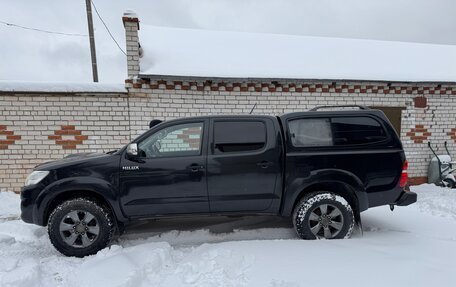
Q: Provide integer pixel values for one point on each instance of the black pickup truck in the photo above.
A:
(320, 168)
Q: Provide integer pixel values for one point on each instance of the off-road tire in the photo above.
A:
(102, 215)
(310, 203)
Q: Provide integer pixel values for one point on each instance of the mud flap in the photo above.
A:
(359, 223)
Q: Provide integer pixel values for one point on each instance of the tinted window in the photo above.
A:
(356, 130)
(238, 136)
(177, 140)
(310, 132)
(335, 131)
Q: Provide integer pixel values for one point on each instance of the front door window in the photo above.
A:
(173, 141)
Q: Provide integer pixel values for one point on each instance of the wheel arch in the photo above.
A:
(336, 187)
(73, 194)
(357, 199)
(95, 189)
(341, 182)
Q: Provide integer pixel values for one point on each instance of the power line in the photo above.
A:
(40, 30)
(107, 29)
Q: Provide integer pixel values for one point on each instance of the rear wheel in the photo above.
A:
(80, 227)
(323, 215)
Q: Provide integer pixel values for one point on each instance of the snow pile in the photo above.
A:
(9, 204)
(412, 246)
(60, 87)
(225, 54)
(437, 201)
(156, 264)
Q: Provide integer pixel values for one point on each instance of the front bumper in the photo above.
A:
(28, 197)
(406, 198)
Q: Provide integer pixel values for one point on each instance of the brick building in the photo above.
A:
(45, 121)
(182, 72)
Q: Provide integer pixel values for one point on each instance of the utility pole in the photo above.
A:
(93, 53)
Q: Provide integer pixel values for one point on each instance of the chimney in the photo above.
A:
(131, 24)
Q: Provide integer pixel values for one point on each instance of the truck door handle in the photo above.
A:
(194, 167)
(264, 164)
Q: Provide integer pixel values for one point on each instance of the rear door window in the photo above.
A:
(239, 136)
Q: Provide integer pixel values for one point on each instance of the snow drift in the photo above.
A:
(412, 246)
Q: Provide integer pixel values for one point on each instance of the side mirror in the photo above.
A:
(132, 149)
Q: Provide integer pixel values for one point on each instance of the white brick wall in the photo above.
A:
(38, 127)
(101, 118)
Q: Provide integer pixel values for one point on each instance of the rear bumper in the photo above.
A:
(396, 196)
(406, 198)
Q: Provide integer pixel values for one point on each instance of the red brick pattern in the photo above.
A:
(75, 136)
(7, 137)
(298, 87)
(417, 180)
(452, 134)
(419, 134)
(420, 102)
(130, 19)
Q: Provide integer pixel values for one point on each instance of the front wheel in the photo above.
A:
(323, 215)
(80, 227)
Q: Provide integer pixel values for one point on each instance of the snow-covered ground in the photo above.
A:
(412, 246)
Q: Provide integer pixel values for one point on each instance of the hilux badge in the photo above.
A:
(130, 167)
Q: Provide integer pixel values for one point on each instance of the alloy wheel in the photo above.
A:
(79, 228)
(326, 221)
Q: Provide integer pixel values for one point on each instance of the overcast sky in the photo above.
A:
(34, 56)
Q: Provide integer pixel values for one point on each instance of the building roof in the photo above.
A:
(60, 87)
(220, 54)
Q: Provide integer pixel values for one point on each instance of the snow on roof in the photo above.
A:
(204, 53)
(130, 13)
(60, 87)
